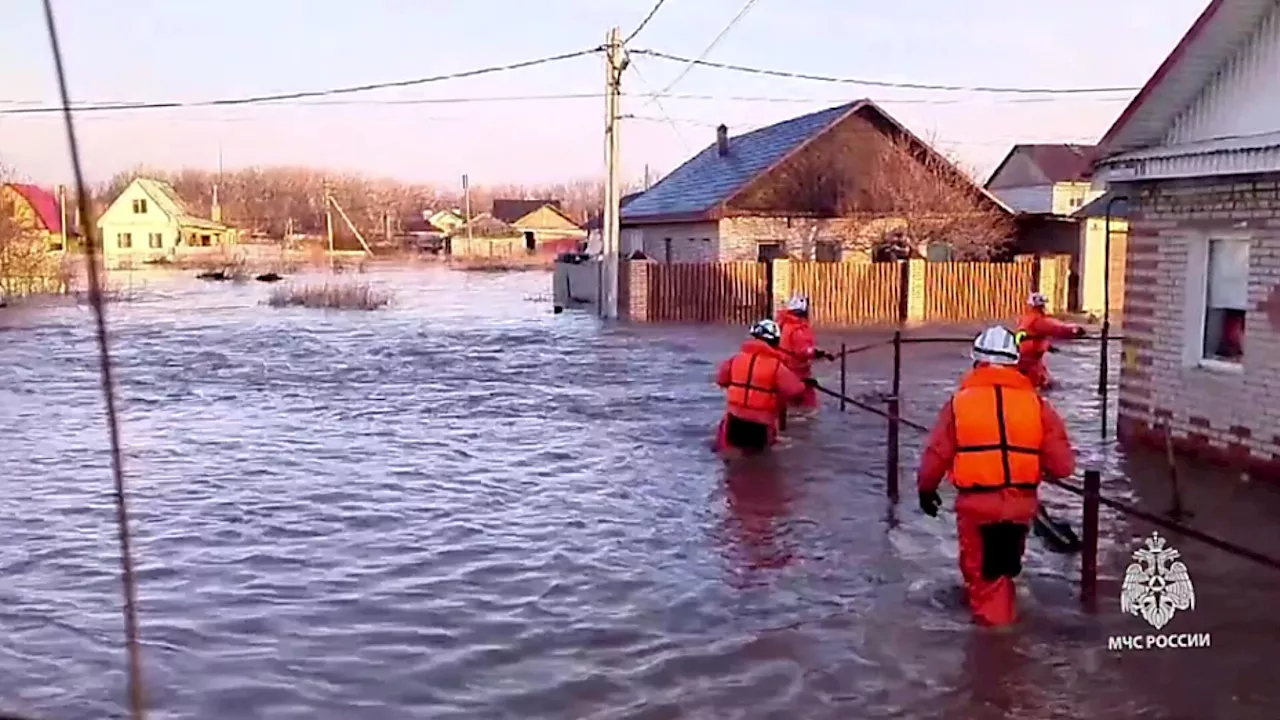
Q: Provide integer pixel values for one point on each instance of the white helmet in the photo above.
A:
(799, 304)
(996, 345)
(1037, 300)
(768, 331)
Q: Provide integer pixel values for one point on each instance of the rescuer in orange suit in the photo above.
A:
(800, 348)
(996, 438)
(1036, 328)
(757, 385)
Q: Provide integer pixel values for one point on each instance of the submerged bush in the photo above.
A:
(326, 296)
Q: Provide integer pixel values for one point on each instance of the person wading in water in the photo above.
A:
(757, 386)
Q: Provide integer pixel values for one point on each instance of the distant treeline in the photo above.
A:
(275, 200)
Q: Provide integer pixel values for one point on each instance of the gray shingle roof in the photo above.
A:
(708, 179)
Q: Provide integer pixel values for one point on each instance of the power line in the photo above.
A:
(653, 11)
(707, 51)
(464, 100)
(301, 95)
(879, 83)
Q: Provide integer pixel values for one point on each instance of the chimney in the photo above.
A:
(722, 140)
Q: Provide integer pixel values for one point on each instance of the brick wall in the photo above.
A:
(1229, 418)
(690, 242)
(740, 237)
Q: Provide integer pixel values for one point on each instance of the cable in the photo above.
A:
(880, 83)
(128, 579)
(300, 95)
(653, 11)
(674, 128)
(702, 58)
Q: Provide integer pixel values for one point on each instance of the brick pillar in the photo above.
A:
(637, 293)
(915, 289)
(781, 290)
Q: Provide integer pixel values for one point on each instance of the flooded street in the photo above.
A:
(468, 507)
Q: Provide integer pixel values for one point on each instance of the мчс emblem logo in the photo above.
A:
(1157, 584)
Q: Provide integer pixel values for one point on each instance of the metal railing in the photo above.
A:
(1090, 490)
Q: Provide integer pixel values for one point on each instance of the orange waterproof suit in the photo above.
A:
(996, 438)
(799, 348)
(757, 383)
(1036, 329)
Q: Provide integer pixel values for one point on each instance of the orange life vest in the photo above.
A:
(1030, 344)
(753, 382)
(999, 431)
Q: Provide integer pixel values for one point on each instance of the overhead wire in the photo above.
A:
(304, 94)
(652, 11)
(128, 579)
(879, 83)
(658, 103)
(711, 46)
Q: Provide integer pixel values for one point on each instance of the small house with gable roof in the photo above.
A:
(750, 198)
(149, 222)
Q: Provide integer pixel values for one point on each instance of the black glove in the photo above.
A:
(811, 382)
(1080, 332)
(930, 502)
(824, 355)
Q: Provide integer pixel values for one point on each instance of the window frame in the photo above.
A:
(139, 206)
(1196, 309)
(155, 241)
(124, 241)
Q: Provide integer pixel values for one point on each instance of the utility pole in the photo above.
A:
(615, 63)
(62, 209)
(466, 205)
(328, 220)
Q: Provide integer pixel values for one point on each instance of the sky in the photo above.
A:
(490, 127)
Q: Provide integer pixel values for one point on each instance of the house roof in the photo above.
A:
(1099, 206)
(174, 206)
(1059, 162)
(1220, 31)
(43, 203)
(509, 211)
(699, 189)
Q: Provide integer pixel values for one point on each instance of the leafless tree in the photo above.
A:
(25, 263)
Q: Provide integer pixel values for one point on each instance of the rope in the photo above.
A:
(1121, 507)
(127, 577)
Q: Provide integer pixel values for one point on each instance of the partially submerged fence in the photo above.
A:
(841, 294)
(1090, 489)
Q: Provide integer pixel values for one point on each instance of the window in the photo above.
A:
(827, 251)
(205, 241)
(140, 206)
(156, 241)
(1226, 297)
(124, 241)
(768, 251)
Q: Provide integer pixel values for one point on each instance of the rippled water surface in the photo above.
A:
(468, 507)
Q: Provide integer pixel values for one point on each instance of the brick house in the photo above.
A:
(773, 193)
(1197, 155)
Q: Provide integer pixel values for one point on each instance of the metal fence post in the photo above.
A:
(894, 412)
(843, 375)
(1104, 372)
(1089, 551)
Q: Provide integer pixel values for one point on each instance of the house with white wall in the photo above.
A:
(149, 222)
(1196, 155)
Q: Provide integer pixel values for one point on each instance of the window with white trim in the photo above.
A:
(1226, 297)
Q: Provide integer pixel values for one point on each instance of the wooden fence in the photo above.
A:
(841, 294)
(961, 291)
(845, 294)
(730, 292)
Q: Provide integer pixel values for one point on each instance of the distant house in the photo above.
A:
(487, 237)
(813, 187)
(39, 212)
(445, 221)
(1048, 186)
(148, 222)
(543, 224)
(1196, 155)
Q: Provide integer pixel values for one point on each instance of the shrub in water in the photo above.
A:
(338, 296)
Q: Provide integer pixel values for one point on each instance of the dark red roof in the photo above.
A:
(44, 203)
(1058, 162)
(509, 211)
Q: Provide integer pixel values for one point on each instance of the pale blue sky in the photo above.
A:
(137, 50)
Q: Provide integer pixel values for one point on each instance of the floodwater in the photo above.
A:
(468, 507)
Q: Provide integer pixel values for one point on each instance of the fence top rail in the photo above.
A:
(1121, 507)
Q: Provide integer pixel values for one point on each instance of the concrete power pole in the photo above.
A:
(615, 63)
